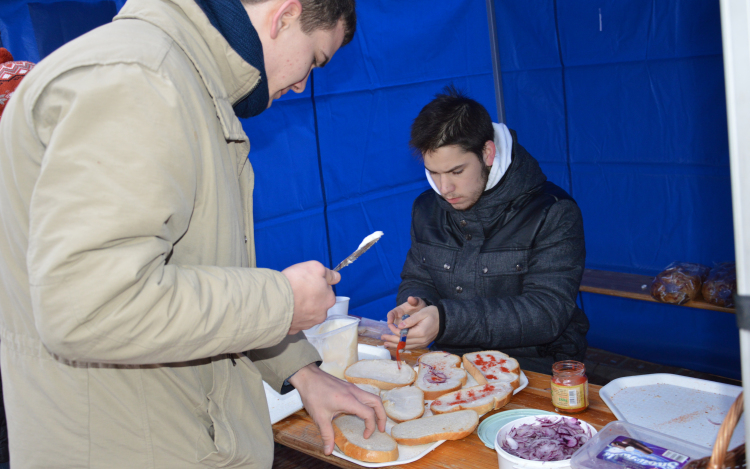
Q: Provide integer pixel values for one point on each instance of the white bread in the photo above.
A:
(439, 374)
(491, 366)
(384, 374)
(369, 388)
(402, 404)
(348, 430)
(481, 399)
(453, 426)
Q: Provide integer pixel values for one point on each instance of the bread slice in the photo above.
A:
(384, 374)
(348, 434)
(439, 374)
(453, 426)
(402, 404)
(491, 366)
(369, 388)
(481, 399)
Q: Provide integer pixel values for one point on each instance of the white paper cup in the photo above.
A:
(341, 308)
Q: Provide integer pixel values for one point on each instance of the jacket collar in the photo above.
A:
(227, 77)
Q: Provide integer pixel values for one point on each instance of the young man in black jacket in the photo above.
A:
(497, 251)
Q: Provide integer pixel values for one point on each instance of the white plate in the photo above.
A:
(407, 454)
(687, 408)
(281, 407)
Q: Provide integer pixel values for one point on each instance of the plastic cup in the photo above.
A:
(341, 308)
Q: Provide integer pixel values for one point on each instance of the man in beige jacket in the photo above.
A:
(128, 287)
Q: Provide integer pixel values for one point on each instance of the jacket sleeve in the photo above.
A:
(543, 311)
(115, 191)
(415, 281)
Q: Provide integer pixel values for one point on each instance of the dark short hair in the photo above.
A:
(451, 118)
(325, 15)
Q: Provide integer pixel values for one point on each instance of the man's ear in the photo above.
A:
(286, 13)
(488, 154)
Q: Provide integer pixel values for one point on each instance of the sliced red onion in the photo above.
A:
(435, 376)
(548, 439)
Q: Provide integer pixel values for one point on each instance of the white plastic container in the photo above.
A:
(587, 456)
(508, 461)
(336, 341)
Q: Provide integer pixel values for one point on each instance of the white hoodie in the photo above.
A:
(503, 151)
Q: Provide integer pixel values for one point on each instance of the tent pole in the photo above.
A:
(495, 50)
(735, 24)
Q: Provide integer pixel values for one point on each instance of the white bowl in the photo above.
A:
(509, 461)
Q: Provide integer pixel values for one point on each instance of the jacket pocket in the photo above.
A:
(501, 272)
(440, 262)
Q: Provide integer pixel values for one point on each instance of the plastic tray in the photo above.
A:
(686, 408)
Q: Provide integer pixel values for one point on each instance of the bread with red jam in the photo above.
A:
(491, 366)
(481, 399)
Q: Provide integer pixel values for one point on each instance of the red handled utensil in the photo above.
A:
(402, 341)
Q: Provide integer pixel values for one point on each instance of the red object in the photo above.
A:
(399, 347)
(570, 387)
(11, 74)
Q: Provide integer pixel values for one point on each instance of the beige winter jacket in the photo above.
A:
(126, 237)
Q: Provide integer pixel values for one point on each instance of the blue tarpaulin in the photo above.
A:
(622, 102)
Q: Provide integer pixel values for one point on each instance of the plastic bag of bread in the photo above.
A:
(679, 283)
(721, 285)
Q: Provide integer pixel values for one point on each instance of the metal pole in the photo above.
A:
(736, 43)
(495, 50)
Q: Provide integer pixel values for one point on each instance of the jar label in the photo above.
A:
(570, 397)
(637, 454)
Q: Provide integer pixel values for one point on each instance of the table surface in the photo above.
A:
(300, 433)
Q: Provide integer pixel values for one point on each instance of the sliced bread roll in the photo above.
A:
(491, 366)
(439, 374)
(481, 399)
(402, 404)
(369, 388)
(383, 374)
(348, 434)
(453, 426)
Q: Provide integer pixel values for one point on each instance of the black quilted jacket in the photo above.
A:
(505, 273)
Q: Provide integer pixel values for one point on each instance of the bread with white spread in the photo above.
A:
(402, 404)
(348, 433)
(453, 426)
(384, 374)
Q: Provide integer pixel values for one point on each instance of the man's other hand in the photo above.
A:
(423, 324)
(325, 396)
(311, 285)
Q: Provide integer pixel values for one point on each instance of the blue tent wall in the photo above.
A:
(623, 104)
(630, 119)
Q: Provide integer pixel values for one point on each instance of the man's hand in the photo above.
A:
(411, 306)
(324, 396)
(423, 325)
(311, 285)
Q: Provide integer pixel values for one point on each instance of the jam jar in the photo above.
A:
(570, 387)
